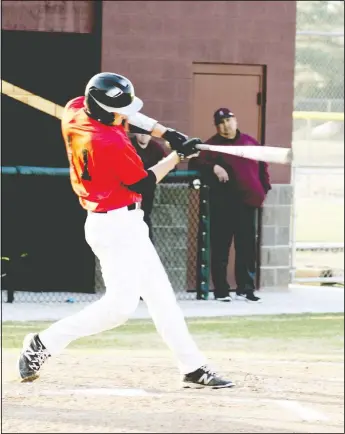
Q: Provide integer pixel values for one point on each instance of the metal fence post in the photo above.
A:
(203, 262)
(293, 225)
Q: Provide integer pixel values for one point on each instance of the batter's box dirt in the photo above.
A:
(139, 391)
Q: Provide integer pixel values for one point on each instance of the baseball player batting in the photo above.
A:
(109, 178)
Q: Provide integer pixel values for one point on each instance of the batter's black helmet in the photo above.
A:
(107, 93)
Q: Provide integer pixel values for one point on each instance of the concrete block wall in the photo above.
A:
(275, 241)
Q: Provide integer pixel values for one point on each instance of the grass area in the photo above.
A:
(328, 328)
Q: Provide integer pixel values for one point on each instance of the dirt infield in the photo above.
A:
(284, 389)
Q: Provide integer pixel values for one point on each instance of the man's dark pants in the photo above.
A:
(231, 219)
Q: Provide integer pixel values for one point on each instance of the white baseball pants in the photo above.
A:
(131, 268)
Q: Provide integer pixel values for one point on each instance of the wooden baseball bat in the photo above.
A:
(269, 154)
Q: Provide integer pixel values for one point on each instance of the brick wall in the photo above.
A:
(155, 43)
(48, 16)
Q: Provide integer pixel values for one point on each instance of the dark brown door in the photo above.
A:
(235, 87)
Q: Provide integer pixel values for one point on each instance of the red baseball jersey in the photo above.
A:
(102, 160)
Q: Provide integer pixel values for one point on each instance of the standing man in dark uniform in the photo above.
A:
(238, 187)
(150, 152)
(109, 178)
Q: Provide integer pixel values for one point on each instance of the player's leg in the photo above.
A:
(111, 240)
(170, 323)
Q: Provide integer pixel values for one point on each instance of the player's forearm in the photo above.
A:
(162, 168)
(149, 125)
(158, 130)
(174, 138)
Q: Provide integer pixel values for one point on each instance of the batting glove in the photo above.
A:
(188, 147)
(175, 138)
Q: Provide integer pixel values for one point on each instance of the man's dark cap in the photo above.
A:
(222, 113)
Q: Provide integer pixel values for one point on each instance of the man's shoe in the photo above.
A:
(31, 358)
(205, 377)
(242, 296)
(251, 298)
(227, 298)
(248, 296)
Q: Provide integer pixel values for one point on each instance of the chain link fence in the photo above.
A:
(318, 228)
(179, 233)
(318, 144)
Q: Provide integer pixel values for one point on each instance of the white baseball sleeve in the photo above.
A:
(142, 121)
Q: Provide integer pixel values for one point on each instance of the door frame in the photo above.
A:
(260, 210)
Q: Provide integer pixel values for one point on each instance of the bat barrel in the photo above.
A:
(270, 154)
